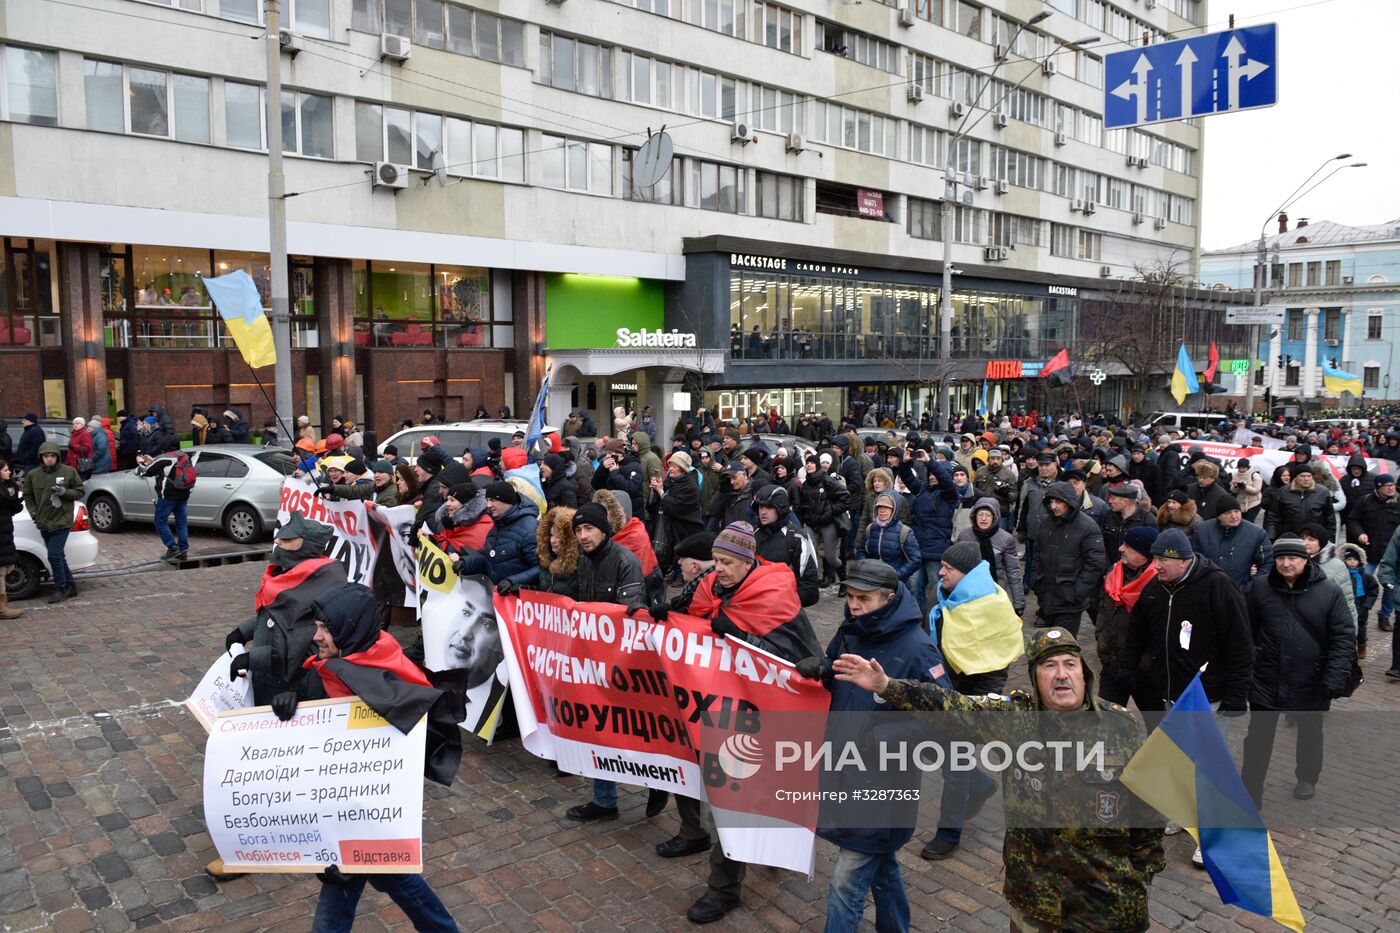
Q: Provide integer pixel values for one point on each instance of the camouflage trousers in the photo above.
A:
(1020, 923)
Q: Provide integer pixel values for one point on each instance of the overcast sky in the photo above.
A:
(1337, 91)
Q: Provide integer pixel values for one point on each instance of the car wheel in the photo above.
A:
(243, 524)
(105, 514)
(23, 579)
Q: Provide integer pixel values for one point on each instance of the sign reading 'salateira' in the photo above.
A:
(661, 339)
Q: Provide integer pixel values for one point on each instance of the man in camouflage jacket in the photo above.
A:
(1080, 849)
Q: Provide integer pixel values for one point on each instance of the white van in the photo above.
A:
(457, 436)
(1163, 422)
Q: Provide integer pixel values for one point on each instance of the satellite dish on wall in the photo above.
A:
(653, 160)
(439, 167)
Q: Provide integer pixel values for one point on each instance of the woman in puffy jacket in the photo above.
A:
(998, 549)
(889, 540)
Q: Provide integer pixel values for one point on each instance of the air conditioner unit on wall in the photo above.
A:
(399, 48)
(740, 133)
(1002, 186)
(1060, 139)
(1138, 218)
(289, 41)
(980, 183)
(1348, 279)
(1089, 206)
(915, 93)
(1076, 205)
(996, 254)
(390, 175)
(906, 16)
(1050, 67)
(795, 142)
(1000, 121)
(1159, 223)
(1000, 52)
(957, 110)
(1105, 271)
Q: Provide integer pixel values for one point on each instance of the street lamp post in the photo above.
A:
(950, 185)
(1261, 263)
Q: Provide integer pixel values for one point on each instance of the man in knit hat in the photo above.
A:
(1080, 850)
(1123, 586)
(508, 558)
(755, 603)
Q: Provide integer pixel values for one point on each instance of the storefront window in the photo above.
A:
(27, 315)
(417, 305)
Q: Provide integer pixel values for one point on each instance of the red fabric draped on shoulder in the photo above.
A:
(766, 599)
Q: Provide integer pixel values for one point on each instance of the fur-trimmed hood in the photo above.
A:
(1181, 518)
(564, 565)
(884, 474)
(617, 515)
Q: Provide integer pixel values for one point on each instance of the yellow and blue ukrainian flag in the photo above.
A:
(1338, 381)
(1185, 771)
(239, 304)
(981, 630)
(1184, 376)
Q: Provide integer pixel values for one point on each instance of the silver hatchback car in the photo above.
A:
(238, 489)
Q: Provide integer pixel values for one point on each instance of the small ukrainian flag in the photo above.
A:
(1338, 381)
(239, 304)
(1185, 771)
(1184, 376)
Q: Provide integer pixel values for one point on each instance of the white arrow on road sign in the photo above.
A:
(1137, 88)
(1184, 61)
(1234, 49)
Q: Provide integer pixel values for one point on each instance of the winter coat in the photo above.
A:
(628, 478)
(611, 574)
(1293, 508)
(1356, 488)
(1183, 519)
(284, 621)
(1155, 663)
(558, 572)
(1304, 644)
(1377, 519)
(79, 448)
(785, 543)
(1069, 556)
(931, 507)
(1113, 619)
(1028, 510)
(1006, 564)
(11, 504)
(849, 471)
(681, 506)
(510, 547)
(27, 451)
(1207, 498)
(894, 636)
(764, 607)
(999, 484)
(895, 545)
(1248, 489)
(1150, 475)
(1094, 507)
(1234, 550)
(128, 441)
(730, 505)
(101, 451)
(1337, 572)
(239, 431)
(560, 489)
(651, 463)
(1115, 526)
(40, 485)
(159, 468)
(821, 499)
(867, 510)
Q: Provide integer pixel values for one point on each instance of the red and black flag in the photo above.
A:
(1212, 370)
(1058, 370)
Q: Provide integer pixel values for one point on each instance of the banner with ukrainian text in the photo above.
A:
(668, 706)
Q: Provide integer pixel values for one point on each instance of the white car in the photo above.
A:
(32, 558)
(457, 436)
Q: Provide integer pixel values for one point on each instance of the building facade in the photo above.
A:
(461, 193)
(1339, 286)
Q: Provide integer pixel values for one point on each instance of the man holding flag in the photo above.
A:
(1080, 850)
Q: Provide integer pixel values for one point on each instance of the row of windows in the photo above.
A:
(469, 148)
(852, 128)
(308, 17)
(974, 225)
(1331, 324)
(857, 46)
(1320, 272)
(448, 26)
(752, 20)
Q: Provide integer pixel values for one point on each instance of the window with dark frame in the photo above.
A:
(399, 304)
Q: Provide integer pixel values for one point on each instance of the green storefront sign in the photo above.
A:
(586, 311)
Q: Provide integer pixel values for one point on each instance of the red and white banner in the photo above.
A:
(1267, 460)
(668, 706)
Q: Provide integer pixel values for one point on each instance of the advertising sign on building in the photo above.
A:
(1003, 369)
(870, 203)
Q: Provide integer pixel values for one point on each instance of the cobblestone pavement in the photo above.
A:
(101, 821)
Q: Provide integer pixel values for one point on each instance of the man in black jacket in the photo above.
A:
(1302, 503)
(1124, 512)
(1146, 472)
(821, 500)
(1191, 614)
(620, 470)
(1070, 561)
(780, 541)
(1372, 524)
(733, 502)
(1357, 484)
(1305, 647)
(1206, 491)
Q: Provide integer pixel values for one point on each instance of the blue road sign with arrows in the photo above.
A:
(1218, 73)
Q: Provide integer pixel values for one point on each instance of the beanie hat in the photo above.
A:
(1173, 544)
(699, 546)
(1226, 503)
(381, 466)
(356, 467)
(554, 462)
(824, 460)
(593, 513)
(1140, 538)
(1178, 496)
(502, 491)
(1314, 530)
(615, 446)
(1242, 463)
(681, 459)
(737, 540)
(963, 556)
(1384, 479)
(1290, 546)
(463, 492)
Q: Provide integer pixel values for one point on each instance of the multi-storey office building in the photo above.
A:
(1337, 285)
(793, 242)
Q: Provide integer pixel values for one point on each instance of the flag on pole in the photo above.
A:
(982, 405)
(1058, 370)
(240, 306)
(1338, 381)
(1184, 377)
(1212, 364)
(1185, 771)
(536, 429)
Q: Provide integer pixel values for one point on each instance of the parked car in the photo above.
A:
(798, 447)
(238, 490)
(457, 436)
(31, 567)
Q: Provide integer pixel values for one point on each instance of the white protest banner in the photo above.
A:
(362, 535)
(460, 635)
(214, 693)
(334, 785)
